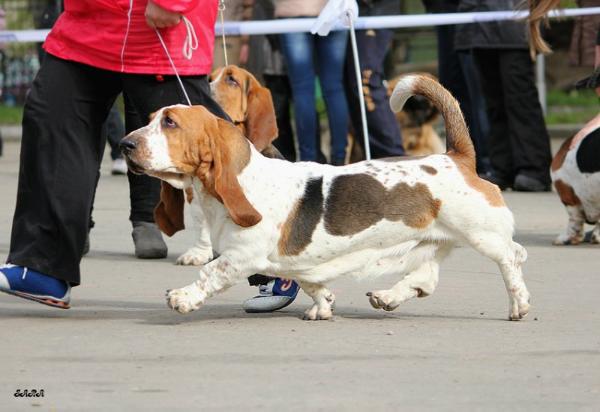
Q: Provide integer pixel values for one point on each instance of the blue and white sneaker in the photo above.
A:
(28, 284)
(275, 295)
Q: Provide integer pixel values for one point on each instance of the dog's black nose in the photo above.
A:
(127, 145)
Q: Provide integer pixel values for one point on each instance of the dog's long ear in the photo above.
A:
(231, 153)
(261, 125)
(168, 214)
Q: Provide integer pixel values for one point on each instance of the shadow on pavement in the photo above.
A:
(158, 313)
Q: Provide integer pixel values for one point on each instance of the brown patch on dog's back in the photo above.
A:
(354, 203)
(429, 169)
(559, 157)
(490, 191)
(297, 231)
(414, 205)
(357, 202)
(566, 193)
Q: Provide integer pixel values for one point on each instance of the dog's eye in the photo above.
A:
(168, 122)
(231, 80)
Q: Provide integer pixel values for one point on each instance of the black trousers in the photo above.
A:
(518, 141)
(61, 150)
(279, 86)
(384, 134)
(114, 130)
(458, 74)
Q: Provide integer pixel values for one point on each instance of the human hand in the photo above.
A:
(157, 17)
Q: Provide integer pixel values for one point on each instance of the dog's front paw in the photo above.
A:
(384, 299)
(195, 256)
(183, 300)
(316, 313)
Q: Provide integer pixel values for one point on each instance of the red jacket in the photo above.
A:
(100, 34)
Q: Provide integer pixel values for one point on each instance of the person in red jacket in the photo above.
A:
(96, 50)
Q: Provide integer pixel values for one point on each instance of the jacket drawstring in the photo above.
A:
(126, 35)
(190, 43)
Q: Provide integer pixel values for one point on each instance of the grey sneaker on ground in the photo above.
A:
(148, 241)
(524, 183)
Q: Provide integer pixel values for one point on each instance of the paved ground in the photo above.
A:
(120, 348)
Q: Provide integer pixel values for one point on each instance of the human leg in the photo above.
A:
(385, 137)
(298, 51)
(61, 150)
(331, 54)
(529, 139)
(279, 86)
(499, 146)
(144, 94)
(476, 115)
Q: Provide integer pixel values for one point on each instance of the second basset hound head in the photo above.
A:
(182, 142)
(247, 103)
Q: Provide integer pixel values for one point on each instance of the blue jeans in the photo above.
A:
(299, 50)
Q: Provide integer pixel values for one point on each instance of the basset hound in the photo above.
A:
(250, 107)
(314, 223)
(575, 172)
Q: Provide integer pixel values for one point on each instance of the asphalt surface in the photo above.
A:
(121, 348)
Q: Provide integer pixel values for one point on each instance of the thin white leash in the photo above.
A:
(361, 97)
(189, 46)
(221, 13)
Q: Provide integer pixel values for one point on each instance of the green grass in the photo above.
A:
(572, 98)
(575, 117)
(11, 115)
(574, 107)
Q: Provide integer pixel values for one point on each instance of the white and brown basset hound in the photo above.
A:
(575, 172)
(250, 106)
(314, 223)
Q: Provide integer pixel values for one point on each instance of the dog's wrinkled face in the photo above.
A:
(169, 146)
(247, 103)
(182, 142)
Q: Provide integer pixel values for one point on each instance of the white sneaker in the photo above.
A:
(275, 295)
(119, 167)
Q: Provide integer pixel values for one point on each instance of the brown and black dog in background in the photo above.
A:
(416, 121)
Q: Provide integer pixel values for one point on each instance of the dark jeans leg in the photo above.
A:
(384, 134)
(529, 139)
(499, 144)
(331, 55)
(144, 94)
(61, 150)
(298, 49)
(281, 92)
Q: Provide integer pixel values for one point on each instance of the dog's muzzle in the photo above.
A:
(128, 147)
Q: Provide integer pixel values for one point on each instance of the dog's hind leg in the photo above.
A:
(323, 298)
(420, 282)
(573, 234)
(509, 256)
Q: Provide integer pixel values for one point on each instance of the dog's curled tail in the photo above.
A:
(457, 134)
